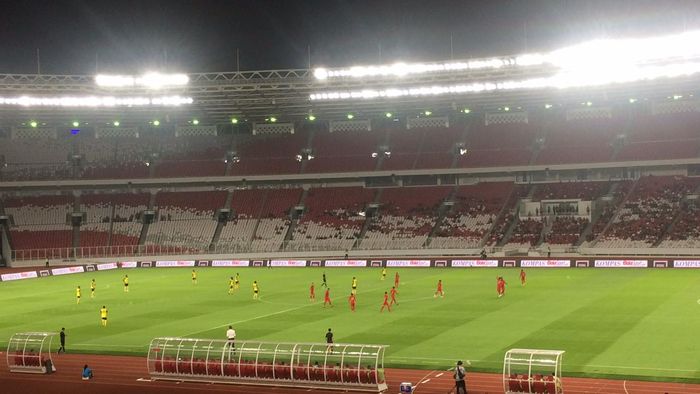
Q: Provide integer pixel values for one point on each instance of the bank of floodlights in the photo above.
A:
(593, 63)
(151, 80)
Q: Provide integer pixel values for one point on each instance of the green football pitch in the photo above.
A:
(632, 323)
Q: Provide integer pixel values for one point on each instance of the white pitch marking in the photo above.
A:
(624, 386)
(698, 300)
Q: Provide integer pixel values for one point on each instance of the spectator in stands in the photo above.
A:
(87, 373)
(483, 253)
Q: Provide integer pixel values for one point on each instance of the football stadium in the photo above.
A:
(526, 222)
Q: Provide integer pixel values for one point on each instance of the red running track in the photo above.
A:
(121, 374)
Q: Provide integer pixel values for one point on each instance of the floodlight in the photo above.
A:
(311, 118)
(588, 103)
(234, 120)
(506, 109)
(428, 113)
(677, 97)
(548, 106)
(632, 100)
(151, 80)
(33, 123)
(195, 121)
(466, 111)
(76, 124)
(351, 116)
(462, 151)
(388, 115)
(273, 119)
(156, 122)
(116, 123)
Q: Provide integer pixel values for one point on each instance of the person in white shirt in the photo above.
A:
(231, 336)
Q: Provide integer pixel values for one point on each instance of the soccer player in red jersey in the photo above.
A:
(396, 279)
(312, 292)
(522, 277)
(386, 303)
(501, 286)
(352, 302)
(439, 291)
(327, 298)
(393, 296)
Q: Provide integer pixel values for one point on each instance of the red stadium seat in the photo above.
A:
(538, 384)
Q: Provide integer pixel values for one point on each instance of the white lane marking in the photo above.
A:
(440, 374)
(624, 386)
(143, 380)
(426, 381)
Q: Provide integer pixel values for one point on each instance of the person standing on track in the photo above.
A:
(231, 338)
(62, 336)
(329, 340)
(386, 303)
(460, 382)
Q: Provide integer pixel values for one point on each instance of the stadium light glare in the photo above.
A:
(388, 115)
(116, 123)
(311, 118)
(273, 119)
(95, 101)
(548, 106)
(234, 120)
(76, 124)
(150, 80)
(677, 97)
(506, 109)
(156, 123)
(632, 100)
(195, 122)
(466, 111)
(350, 116)
(428, 113)
(34, 124)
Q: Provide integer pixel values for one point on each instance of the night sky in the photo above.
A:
(82, 36)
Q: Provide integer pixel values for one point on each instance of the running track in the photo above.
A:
(120, 374)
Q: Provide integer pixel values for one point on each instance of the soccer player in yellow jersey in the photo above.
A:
(103, 316)
(126, 283)
(93, 285)
(231, 284)
(354, 285)
(237, 282)
(194, 277)
(383, 273)
(256, 290)
(77, 295)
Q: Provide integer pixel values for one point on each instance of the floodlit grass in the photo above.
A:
(618, 322)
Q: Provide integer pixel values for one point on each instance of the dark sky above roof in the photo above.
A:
(81, 36)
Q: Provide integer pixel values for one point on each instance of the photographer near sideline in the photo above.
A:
(460, 375)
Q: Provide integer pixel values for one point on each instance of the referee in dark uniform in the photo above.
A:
(62, 335)
(329, 340)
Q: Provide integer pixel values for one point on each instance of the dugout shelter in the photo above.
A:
(339, 366)
(532, 371)
(30, 352)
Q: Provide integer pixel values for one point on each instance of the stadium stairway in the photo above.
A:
(546, 229)
(442, 212)
(294, 217)
(220, 224)
(598, 206)
(368, 220)
(679, 214)
(618, 209)
(146, 224)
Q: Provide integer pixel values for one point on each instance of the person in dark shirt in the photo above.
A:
(329, 340)
(62, 335)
